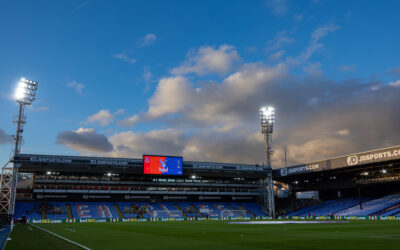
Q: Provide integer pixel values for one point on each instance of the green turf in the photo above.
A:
(208, 235)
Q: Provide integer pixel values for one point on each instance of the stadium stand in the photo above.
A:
(372, 206)
(96, 210)
(327, 207)
(93, 210)
(31, 210)
(383, 206)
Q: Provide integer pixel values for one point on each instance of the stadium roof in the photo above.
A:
(348, 161)
(37, 163)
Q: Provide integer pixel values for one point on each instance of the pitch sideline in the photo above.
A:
(70, 241)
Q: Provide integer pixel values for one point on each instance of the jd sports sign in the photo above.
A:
(379, 155)
(374, 156)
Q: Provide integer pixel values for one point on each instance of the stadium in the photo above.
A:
(75, 190)
(201, 125)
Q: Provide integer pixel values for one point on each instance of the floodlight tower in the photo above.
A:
(267, 117)
(24, 95)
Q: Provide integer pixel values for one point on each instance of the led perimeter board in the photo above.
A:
(162, 165)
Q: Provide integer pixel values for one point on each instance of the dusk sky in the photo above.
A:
(127, 78)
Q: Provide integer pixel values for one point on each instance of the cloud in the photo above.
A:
(78, 87)
(315, 44)
(347, 68)
(104, 117)
(86, 140)
(129, 122)
(207, 60)
(162, 142)
(281, 39)
(298, 17)
(395, 71)
(276, 56)
(395, 83)
(170, 96)
(80, 6)
(125, 57)
(313, 68)
(147, 77)
(147, 40)
(4, 137)
(39, 109)
(316, 117)
(278, 7)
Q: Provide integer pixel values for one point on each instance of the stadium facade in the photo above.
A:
(77, 187)
(365, 184)
(72, 187)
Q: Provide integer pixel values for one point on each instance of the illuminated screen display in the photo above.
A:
(162, 165)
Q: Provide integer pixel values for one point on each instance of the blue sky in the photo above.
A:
(186, 78)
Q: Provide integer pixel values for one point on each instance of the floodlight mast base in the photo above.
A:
(10, 171)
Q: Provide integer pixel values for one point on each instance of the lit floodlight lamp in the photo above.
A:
(26, 91)
(267, 115)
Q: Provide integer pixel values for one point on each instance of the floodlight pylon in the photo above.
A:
(267, 118)
(25, 94)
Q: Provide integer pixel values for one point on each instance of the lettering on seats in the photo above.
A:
(83, 211)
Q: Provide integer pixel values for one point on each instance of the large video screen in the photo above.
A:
(162, 165)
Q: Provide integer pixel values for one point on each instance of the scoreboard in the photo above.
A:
(162, 165)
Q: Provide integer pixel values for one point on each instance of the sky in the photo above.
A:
(127, 78)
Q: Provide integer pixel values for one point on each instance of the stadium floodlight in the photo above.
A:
(193, 176)
(25, 94)
(26, 91)
(267, 115)
(267, 118)
(48, 172)
(109, 174)
(384, 171)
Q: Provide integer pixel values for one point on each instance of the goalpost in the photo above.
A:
(166, 214)
(241, 213)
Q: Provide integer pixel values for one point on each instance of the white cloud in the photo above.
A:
(278, 7)
(125, 57)
(147, 77)
(395, 83)
(104, 117)
(170, 96)
(78, 87)
(207, 60)
(129, 122)
(147, 40)
(276, 56)
(343, 132)
(315, 44)
(280, 40)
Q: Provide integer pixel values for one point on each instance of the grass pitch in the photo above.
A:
(208, 235)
